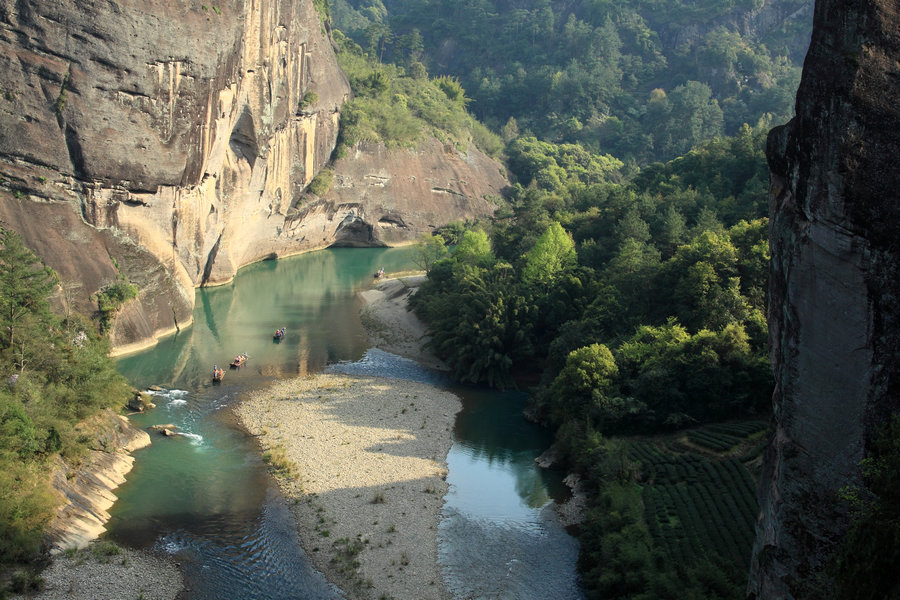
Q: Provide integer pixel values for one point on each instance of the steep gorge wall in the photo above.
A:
(178, 132)
(834, 290)
(171, 141)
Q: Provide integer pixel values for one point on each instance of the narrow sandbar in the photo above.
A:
(367, 476)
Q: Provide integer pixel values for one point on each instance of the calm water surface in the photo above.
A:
(205, 497)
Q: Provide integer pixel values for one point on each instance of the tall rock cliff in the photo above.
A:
(834, 291)
(177, 131)
(169, 141)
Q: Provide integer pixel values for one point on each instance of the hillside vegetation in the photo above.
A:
(642, 303)
(643, 80)
(398, 107)
(54, 374)
(625, 280)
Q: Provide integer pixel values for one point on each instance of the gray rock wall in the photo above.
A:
(835, 222)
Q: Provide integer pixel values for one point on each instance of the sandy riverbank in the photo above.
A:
(390, 324)
(368, 465)
(368, 459)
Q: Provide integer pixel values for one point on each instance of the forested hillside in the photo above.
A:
(642, 303)
(624, 281)
(640, 79)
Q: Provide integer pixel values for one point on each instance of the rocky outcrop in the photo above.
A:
(171, 143)
(393, 196)
(835, 284)
(87, 488)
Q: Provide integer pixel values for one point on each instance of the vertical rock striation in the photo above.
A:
(834, 290)
(171, 141)
(185, 129)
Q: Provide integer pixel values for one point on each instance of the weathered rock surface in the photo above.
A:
(87, 489)
(167, 430)
(176, 133)
(395, 195)
(835, 284)
(172, 141)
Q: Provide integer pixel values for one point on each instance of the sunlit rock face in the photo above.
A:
(88, 486)
(171, 141)
(835, 209)
(398, 194)
(185, 129)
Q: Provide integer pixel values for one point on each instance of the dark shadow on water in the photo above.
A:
(251, 554)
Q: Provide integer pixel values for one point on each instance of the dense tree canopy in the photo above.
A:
(639, 79)
(642, 302)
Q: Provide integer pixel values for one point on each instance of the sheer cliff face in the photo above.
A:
(168, 139)
(184, 130)
(835, 208)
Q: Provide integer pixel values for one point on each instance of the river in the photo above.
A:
(205, 497)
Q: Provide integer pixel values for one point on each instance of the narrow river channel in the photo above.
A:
(205, 497)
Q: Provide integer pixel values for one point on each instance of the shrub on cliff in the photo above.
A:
(321, 183)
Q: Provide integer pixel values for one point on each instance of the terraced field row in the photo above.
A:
(699, 505)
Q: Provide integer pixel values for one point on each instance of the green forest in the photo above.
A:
(623, 280)
(56, 374)
(642, 304)
(642, 80)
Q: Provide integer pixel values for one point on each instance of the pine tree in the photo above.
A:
(25, 285)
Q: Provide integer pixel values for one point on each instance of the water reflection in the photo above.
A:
(205, 497)
(313, 296)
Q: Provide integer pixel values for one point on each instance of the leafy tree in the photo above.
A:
(429, 249)
(474, 248)
(451, 87)
(551, 256)
(587, 378)
(477, 325)
(704, 283)
(24, 286)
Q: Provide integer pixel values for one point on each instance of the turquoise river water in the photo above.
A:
(205, 497)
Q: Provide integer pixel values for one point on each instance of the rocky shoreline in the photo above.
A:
(104, 571)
